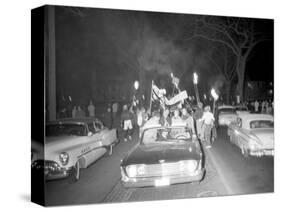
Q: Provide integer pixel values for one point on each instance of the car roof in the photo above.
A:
(255, 116)
(248, 117)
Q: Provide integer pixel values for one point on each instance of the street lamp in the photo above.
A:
(195, 82)
(215, 97)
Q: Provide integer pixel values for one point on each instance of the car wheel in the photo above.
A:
(76, 175)
(230, 138)
(110, 150)
(244, 152)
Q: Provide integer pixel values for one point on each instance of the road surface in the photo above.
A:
(228, 173)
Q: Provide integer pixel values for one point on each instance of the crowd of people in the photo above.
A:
(260, 106)
(200, 121)
(130, 119)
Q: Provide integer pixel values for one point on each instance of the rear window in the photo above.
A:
(261, 124)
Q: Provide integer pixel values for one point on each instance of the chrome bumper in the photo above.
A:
(129, 182)
(51, 169)
(262, 152)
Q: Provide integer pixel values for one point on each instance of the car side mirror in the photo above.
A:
(90, 134)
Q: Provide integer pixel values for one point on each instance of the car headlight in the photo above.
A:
(64, 158)
(141, 169)
(253, 144)
(131, 170)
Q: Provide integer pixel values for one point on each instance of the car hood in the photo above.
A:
(62, 143)
(154, 153)
(264, 136)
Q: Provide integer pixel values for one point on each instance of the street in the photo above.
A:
(228, 173)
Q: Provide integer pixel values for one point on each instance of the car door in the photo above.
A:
(94, 148)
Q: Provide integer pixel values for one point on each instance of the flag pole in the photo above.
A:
(150, 102)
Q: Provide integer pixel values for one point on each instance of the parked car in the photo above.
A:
(240, 109)
(253, 134)
(226, 114)
(71, 144)
(163, 156)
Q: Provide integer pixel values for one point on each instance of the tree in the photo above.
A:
(240, 35)
(224, 62)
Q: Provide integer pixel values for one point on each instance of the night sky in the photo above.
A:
(96, 43)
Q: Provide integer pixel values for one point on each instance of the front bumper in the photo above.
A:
(51, 169)
(129, 182)
(261, 152)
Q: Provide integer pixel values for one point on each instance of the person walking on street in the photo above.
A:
(263, 106)
(208, 121)
(80, 113)
(126, 123)
(256, 106)
(91, 109)
(199, 125)
(114, 112)
(74, 111)
(108, 118)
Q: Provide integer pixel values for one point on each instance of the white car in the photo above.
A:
(226, 115)
(253, 134)
(70, 145)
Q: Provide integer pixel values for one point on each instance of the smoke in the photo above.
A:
(217, 82)
(139, 43)
(161, 56)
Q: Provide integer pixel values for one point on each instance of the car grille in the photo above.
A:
(164, 169)
(46, 166)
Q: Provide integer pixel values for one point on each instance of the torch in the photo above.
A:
(215, 97)
(195, 82)
(136, 86)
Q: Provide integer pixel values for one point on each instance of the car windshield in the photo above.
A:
(166, 135)
(261, 124)
(65, 129)
(227, 110)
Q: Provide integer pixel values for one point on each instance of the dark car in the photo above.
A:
(164, 156)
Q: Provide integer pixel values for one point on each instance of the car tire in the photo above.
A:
(244, 152)
(75, 176)
(110, 150)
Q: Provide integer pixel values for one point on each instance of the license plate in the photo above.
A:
(162, 182)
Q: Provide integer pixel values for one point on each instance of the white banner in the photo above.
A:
(179, 97)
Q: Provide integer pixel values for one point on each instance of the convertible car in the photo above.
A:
(71, 144)
(253, 134)
(163, 156)
(226, 115)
